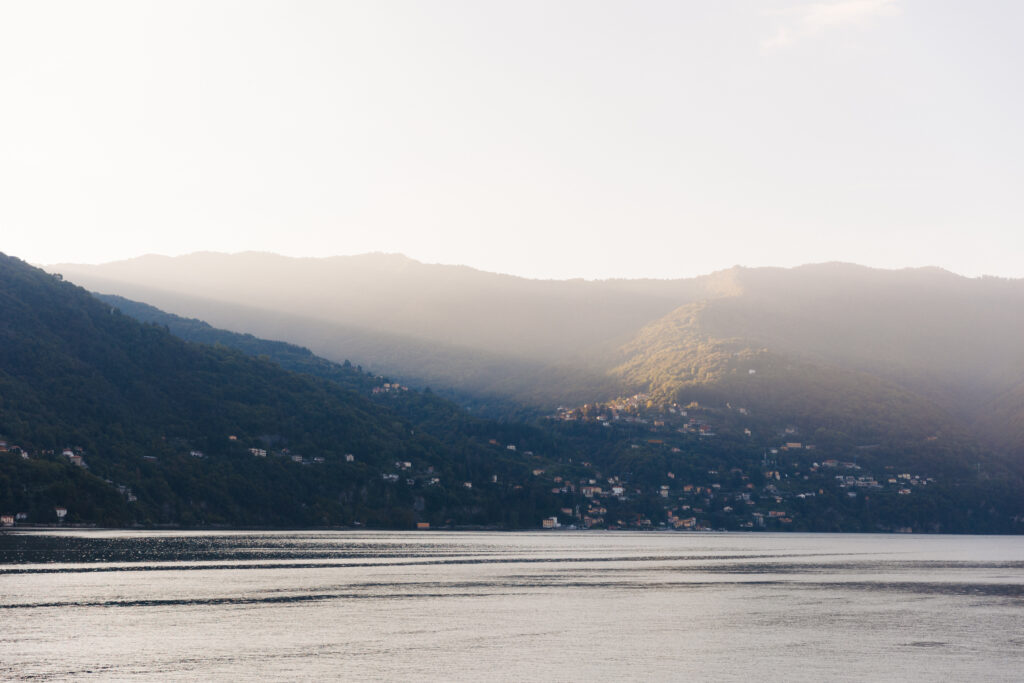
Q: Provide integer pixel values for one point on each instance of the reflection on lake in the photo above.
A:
(509, 606)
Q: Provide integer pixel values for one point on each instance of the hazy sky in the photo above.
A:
(548, 138)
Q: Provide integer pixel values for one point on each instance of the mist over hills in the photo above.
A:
(862, 350)
(157, 430)
(118, 413)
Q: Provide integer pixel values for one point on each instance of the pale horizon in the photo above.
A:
(51, 265)
(584, 139)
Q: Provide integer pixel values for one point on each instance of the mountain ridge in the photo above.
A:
(948, 340)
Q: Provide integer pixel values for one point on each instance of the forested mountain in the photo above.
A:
(116, 421)
(121, 422)
(865, 350)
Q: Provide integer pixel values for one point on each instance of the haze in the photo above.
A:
(592, 139)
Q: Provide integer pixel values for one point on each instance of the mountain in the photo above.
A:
(172, 421)
(450, 326)
(861, 350)
(121, 422)
(958, 488)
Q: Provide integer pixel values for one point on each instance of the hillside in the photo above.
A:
(1001, 421)
(918, 350)
(955, 338)
(119, 422)
(160, 431)
(674, 359)
(638, 441)
(443, 326)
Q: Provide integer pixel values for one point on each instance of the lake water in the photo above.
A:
(561, 606)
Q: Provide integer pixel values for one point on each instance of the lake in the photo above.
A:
(461, 606)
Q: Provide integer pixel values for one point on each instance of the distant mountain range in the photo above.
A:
(859, 350)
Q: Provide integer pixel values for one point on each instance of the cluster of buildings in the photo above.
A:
(766, 493)
(389, 387)
(6, 447)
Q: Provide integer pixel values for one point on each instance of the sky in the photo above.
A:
(543, 138)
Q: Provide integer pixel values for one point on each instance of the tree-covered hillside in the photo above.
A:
(199, 434)
(729, 450)
(675, 359)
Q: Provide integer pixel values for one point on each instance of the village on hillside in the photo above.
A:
(634, 463)
(771, 490)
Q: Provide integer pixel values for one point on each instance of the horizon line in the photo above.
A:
(738, 266)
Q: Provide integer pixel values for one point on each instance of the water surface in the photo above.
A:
(572, 606)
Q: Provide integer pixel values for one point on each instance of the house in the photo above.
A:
(258, 452)
(349, 457)
(422, 525)
(60, 512)
(6, 520)
(550, 523)
(196, 454)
